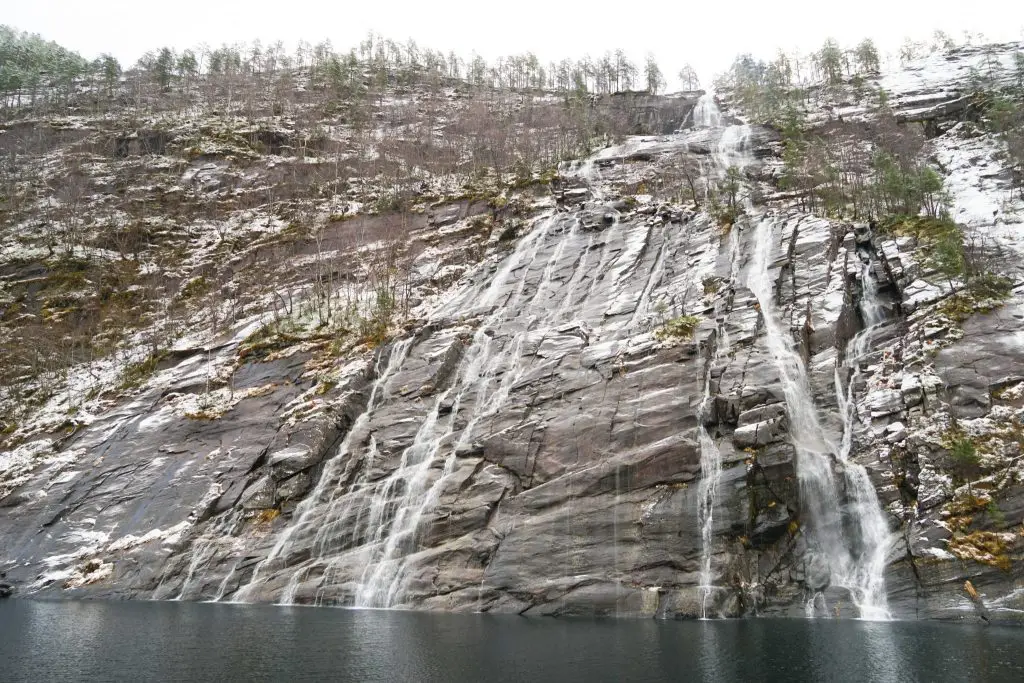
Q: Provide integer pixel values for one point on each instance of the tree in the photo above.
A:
(28, 64)
(942, 41)
(929, 189)
(947, 256)
(731, 185)
(781, 71)
(910, 50)
(188, 67)
(964, 454)
(163, 68)
(688, 78)
(866, 55)
(110, 72)
(829, 60)
(652, 75)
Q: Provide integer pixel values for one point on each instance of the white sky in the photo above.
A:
(707, 35)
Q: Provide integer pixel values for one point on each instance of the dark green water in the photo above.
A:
(107, 641)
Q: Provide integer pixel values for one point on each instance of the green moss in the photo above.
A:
(963, 506)
(924, 229)
(137, 373)
(267, 339)
(324, 387)
(195, 287)
(958, 308)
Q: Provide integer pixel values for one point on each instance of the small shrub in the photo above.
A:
(726, 216)
(682, 327)
(510, 232)
(964, 452)
(991, 286)
(712, 285)
(267, 516)
(197, 286)
(481, 223)
(324, 387)
(995, 514)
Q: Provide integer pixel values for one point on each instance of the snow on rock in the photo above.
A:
(943, 74)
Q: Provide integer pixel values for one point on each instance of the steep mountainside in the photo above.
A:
(647, 383)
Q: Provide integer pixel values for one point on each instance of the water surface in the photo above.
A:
(132, 641)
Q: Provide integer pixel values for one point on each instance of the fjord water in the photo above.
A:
(131, 641)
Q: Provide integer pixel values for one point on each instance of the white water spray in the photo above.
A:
(853, 563)
(732, 150)
(706, 114)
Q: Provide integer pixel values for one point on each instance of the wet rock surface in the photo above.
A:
(531, 443)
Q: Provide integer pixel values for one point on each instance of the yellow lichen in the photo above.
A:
(984, 547)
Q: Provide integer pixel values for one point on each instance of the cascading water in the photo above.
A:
(325, 490)
(363, 515)
(706, 113)
(851, 563)
(856, 563)
(731, 151)
(869, 569)
(392, 545)
(375, 522)
(733, 148)
(711, 474)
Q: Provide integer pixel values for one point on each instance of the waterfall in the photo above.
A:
(731, 150)
(486, 375)
(375, 522)
(711, 474)
(326, 488)
(854, 564)
(868, 573)
(706, 114)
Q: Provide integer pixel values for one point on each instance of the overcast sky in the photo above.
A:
(707, 34)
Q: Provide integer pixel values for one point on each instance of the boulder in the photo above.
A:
(760, 433)
(290, 461)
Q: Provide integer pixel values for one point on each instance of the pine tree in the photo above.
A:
(688, 77)
(652, 75)
(867, 57)
(829, 60)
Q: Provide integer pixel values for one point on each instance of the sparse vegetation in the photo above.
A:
(135, 374)
(681, 327)
(963, 262)
(985, 547)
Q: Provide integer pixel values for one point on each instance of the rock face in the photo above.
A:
(532, 443)
(533, 448)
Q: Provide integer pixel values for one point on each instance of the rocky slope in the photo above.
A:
(530, 438)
